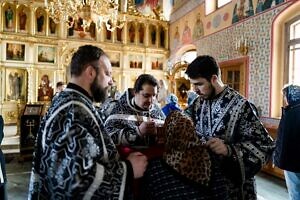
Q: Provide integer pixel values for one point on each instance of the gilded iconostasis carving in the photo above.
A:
(36, 51)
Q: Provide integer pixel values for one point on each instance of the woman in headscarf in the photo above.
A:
(288, 140)
(172, 104)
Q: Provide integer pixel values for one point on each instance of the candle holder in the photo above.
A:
(242, 46)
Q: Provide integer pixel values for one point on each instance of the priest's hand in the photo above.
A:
(217, 146)
(147, 128)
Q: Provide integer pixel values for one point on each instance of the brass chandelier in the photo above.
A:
(101, 12)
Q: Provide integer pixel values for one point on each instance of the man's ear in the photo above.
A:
(90, 72)
(214, 78)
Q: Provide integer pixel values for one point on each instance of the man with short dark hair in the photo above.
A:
(134, 117)
(75, 158)
(239, 144)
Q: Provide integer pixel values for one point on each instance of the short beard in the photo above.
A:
(213, 93)
(99, 93)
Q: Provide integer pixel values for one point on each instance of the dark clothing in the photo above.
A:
(162, 182)
(2, 165)
(230, 117)
(75, 158)
(125, 117)
(288, 139)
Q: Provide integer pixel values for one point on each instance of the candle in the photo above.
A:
(46, 3)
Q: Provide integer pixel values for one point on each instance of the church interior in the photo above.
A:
(256, 44)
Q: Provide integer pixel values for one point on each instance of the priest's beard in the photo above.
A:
(212, 94)
(99, 93)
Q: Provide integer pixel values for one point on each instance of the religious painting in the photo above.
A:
(263, 5)
(162, 34)
(33, 109)
(141, 33)
(242, 10)
(16, 84)
(23, 19)
(157, 63)
(52, 27)
(131, 33)
(176, 38)
(136, 61)
(46, 54)
(114, 58)
(45, 89)
(119, 34)
(152, 32)
(9, 16)
(182, 87)
(198, 30)
(77, 29)
(148, 7)
(15, 51)
(186, 34)
(40, 20)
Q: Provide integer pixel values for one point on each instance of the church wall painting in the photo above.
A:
(23, 19)
(157, 63)
(45, 82)
(222, 18)
(136, 61)
(16, 84)
(146, 7)
(15, 51)
(114, 58)
(46, 54)
(9, 16)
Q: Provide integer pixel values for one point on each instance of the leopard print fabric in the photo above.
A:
(184, 151)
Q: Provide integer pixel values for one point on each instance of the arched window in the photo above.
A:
(293, 46)
(189, 56)
(285, 56)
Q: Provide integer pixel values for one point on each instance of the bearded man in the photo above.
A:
(75, 158)
(238, 143)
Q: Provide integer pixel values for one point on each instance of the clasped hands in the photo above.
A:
(147, 128)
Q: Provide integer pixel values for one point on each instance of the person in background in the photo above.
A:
(134, 116)
(238, 143)
(162, 93)
(3, 193)
(288, 139)
(60, 86)
(191, 96)
(74, 157)
(172, 104)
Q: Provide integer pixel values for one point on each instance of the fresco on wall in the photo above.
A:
(198, 28)
(225, 17)
(242, 10)
(186, 34)
(266, 4)
(176, 39)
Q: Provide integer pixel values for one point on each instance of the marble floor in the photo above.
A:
(18, 173)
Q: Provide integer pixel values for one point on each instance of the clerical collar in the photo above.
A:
(80, 89)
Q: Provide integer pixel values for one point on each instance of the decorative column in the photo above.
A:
(166, 38)
(32, 83)
(147, 34)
